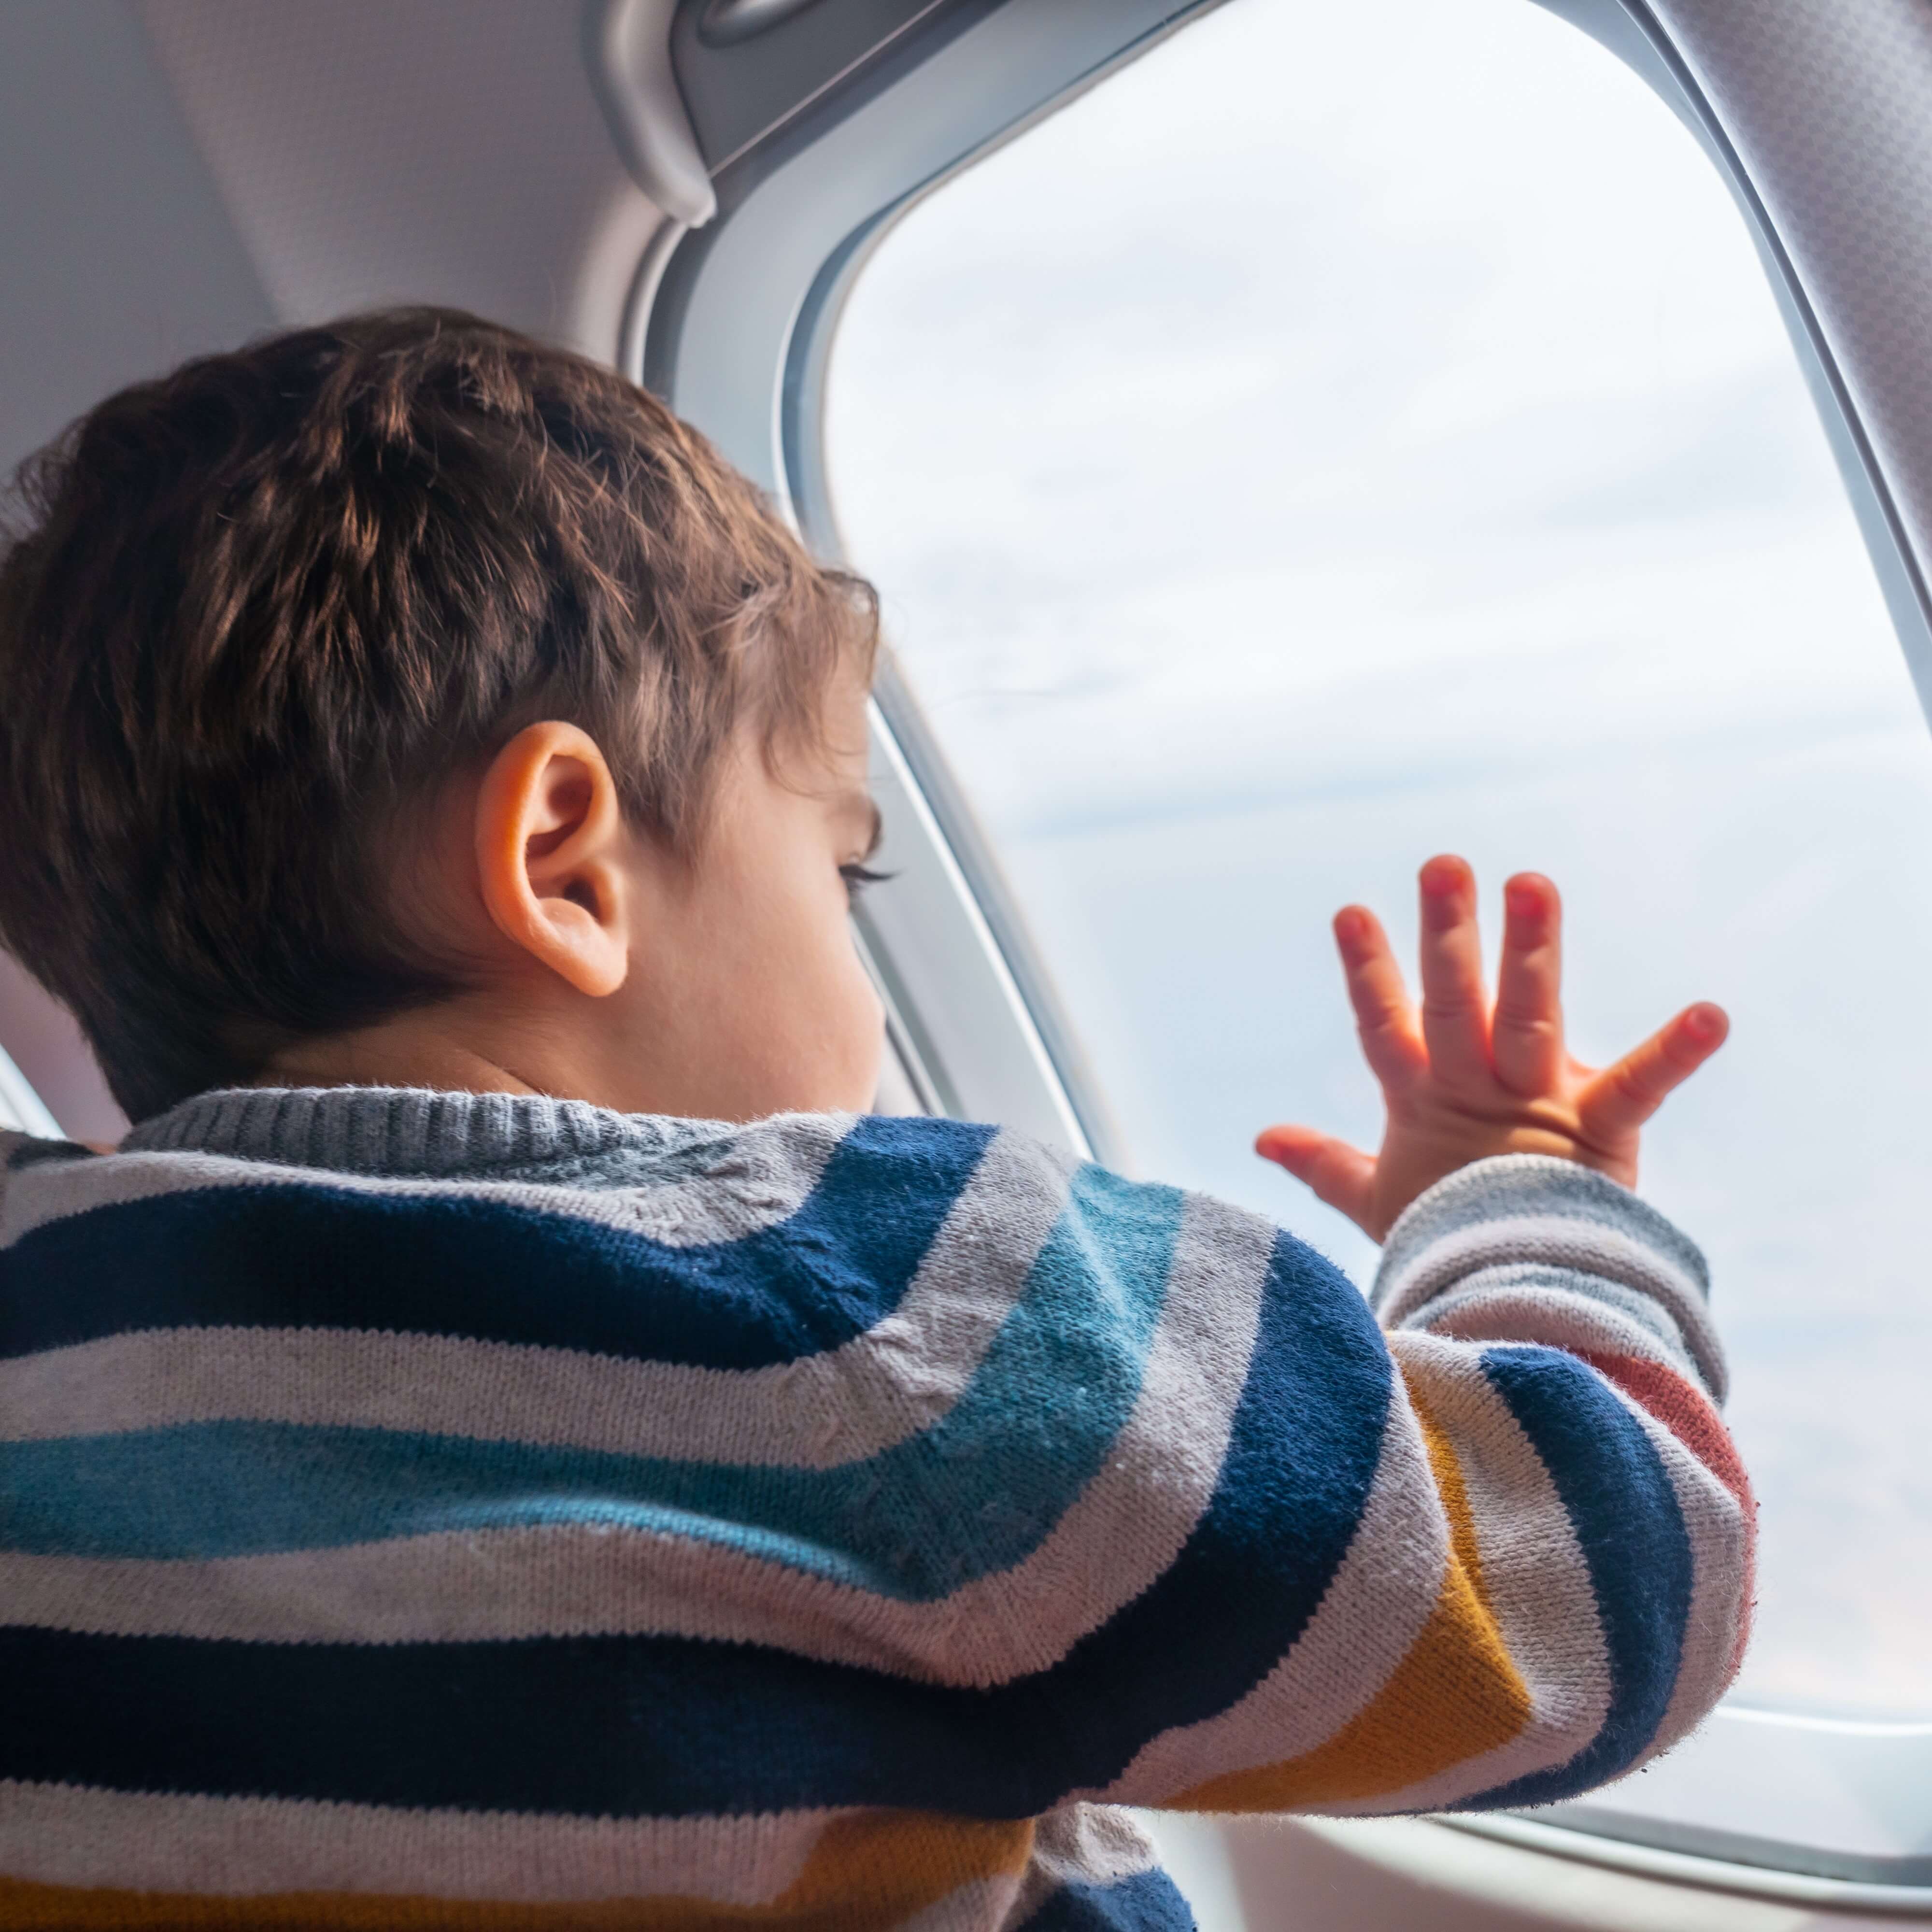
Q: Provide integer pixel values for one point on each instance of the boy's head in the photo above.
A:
(404, 701)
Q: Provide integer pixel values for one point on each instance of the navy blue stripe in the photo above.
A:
(1611, 1479)
(300, 1256)
(1301, 1458)
(1148, 1902)
(974, 1492)
(630, 1725)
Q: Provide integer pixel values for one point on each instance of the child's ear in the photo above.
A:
(550, 845)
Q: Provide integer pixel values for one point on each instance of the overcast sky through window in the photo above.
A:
(1353, 432)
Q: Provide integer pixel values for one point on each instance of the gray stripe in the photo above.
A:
(394, 1130)
(1532, 1185)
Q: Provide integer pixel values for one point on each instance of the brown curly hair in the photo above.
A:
(252, 612)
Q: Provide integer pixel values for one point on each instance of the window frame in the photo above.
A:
(741, 317)
(734, 325)
(21, 1109)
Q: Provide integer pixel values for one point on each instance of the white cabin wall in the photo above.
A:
(449, 150)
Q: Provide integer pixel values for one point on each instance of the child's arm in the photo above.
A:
(1545, 1578)
(1218, 1539)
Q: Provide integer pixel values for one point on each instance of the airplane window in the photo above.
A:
(1353, 432)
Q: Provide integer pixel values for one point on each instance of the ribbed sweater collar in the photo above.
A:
(399, 1130)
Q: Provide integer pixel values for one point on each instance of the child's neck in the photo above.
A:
(450, 1047)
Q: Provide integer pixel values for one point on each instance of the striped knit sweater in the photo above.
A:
(450, 1510)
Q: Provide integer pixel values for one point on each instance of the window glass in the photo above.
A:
(1351, 432)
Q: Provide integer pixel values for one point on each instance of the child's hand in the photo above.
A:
(1470, 1081)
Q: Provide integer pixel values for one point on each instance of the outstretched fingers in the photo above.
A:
(1332, 1170)
(1384, 1018)
(1622, 1097)
(1455, 1009)
(1526, 1030)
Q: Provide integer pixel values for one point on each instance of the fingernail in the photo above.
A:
(1442, 875)
(1525, 901)
(1706, 1021)
(1350, 925)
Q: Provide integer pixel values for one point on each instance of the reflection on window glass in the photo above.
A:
(1352, 432)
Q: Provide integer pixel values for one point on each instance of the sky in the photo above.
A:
(1349, 433)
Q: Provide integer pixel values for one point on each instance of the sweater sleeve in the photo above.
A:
(1494, 1554)
(1254, 1542)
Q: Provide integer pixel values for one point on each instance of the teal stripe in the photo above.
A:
(975, 1493)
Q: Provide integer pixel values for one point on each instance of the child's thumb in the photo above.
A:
(1334, 1171)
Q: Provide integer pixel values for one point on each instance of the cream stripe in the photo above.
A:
(150, 1841)
(1121, 1532)
(1099, 1844)
(1382, 1595)
(1629, 1304)
(1715, 1520)
(1554, 1241)
(977, 1906)
(745, 1180)
(1522, 1312)
(1096, 1844)
(851, 1402)
(1534, 1575)
(1501, 1767)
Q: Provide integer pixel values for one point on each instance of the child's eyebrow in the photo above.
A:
(878, 824)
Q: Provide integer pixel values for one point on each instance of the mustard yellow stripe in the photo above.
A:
(866, 1874)
(1456, 1694)
(1463, 1550)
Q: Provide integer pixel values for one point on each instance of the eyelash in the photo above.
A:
(858, 877)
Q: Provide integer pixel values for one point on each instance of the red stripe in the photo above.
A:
(1683, 1408)
(1690, 1416)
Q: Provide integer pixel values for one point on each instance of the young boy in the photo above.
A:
(506, 1442)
